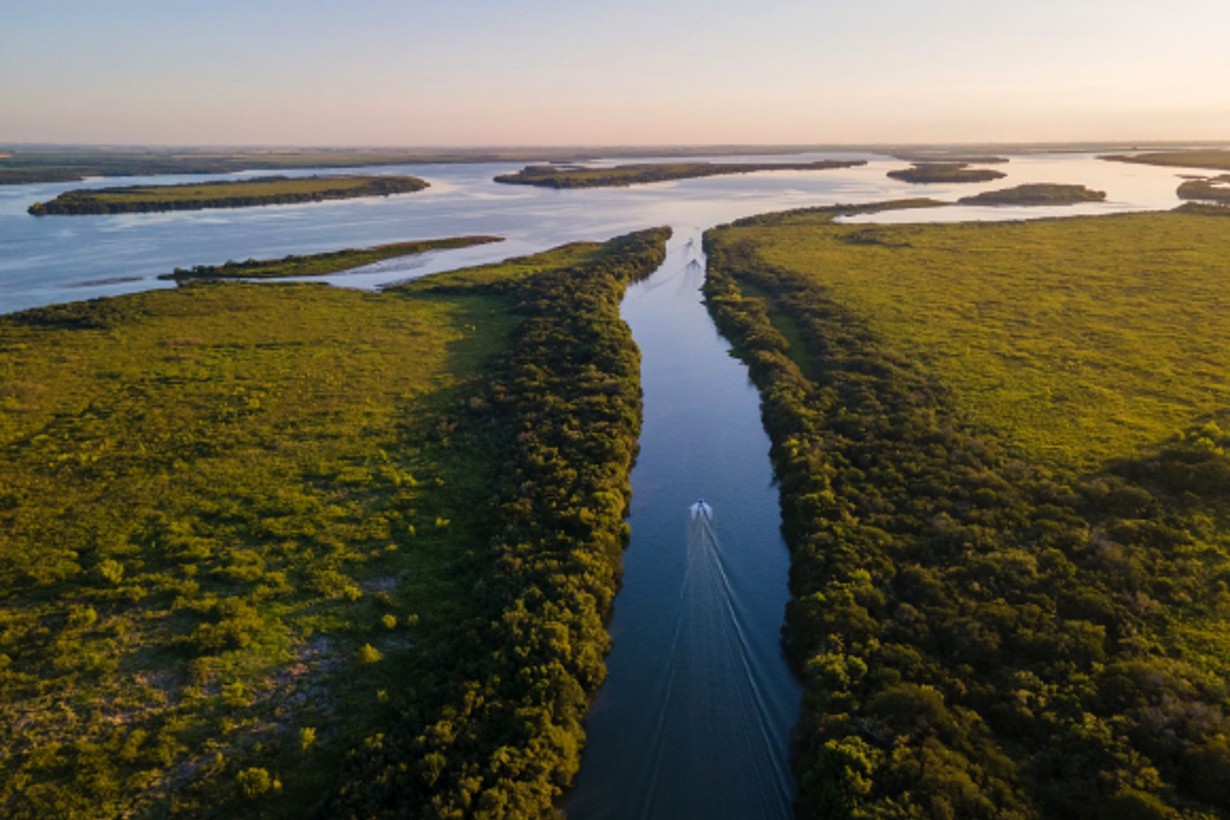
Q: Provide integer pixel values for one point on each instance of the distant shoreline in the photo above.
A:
(552, 176)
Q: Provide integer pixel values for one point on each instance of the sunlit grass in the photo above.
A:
(1082, 340)
(210, 499)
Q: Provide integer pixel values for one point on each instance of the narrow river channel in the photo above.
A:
(695, 717)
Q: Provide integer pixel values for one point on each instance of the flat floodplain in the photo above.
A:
(250, 539)
(1079, 339)
(1002, 450)
(213, 498)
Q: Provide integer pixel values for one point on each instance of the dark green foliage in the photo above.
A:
(223, 194)
(1216, 189)
(553, 176)
(564, 413)
(927, 172)
(979, 637)
(1042, 193)
(320, 264)
(250, 532)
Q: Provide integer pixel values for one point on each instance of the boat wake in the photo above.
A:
(711, 693)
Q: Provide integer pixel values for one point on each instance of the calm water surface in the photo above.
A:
(695, 716)
(61, 259)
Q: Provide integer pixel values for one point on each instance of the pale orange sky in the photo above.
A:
(486, 73)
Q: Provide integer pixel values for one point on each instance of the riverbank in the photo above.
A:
(970, 557)
(291, 536)
(321, 264)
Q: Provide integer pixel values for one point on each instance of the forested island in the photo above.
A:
(1009, 570)
(933, 172)
(553, 176)
(1215, 189)
(1216, 159)
(243, 193)
(320, 264)
(281, 550)
(1040, 193)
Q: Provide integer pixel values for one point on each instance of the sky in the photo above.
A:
(617, 72)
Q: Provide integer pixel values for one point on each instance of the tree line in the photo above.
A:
(564, 409)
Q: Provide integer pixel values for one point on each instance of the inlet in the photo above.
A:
(694, 719)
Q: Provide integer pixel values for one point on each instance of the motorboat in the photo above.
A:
(701, 510)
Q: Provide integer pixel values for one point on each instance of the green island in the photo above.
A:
(320, 264)
(1216, 189)
(270, 550)
(935, 172)
(244, 193)
(1216, 159)
(1036, 193)
(554, 176)
(1002, 450)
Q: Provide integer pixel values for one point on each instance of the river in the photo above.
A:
(695, 716)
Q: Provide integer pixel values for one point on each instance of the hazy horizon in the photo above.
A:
(549, 74)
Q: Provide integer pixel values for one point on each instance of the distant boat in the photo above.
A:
(701, 510)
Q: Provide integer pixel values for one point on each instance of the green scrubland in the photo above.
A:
(275, 550)
(1002, 454)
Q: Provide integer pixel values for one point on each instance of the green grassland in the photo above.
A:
(244, 193)
(937, 172)
(550, 176)
(1079, 339)
(320, 264)
(1218, 160)
(1006, 489)
(255, 540)
(1040, 193)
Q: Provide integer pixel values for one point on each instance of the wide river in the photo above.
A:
(694, 719)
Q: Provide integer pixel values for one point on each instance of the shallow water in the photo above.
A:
(60, 258)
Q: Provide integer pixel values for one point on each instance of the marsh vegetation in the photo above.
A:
(1004, 482)
(275, 549)
(1214, 189)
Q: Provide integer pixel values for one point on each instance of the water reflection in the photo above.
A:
(48, 259)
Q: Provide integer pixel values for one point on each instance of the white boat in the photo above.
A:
(701, 510)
